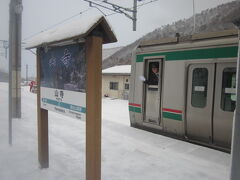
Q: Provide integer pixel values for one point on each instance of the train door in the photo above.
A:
(211, 100)
(200, 102)
(225, 103)
(152, 104)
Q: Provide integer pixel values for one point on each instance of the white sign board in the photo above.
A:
(63, 80)
(230, 90)
(199, 88)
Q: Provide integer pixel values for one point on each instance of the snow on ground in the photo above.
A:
(127, 153)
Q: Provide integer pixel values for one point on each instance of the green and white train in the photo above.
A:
(194, 98)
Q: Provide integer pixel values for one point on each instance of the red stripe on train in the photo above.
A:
(132, 104)
(172, 110)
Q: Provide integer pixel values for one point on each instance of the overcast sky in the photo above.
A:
(39, 15)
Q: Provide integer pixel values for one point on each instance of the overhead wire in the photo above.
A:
(80, 13)
(54, 25)
(61, 22)
(138, 6)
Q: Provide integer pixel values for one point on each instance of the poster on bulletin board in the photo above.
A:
(63, 80)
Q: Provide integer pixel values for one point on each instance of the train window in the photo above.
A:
(228, 99)
(199, 87)
(114, 85)
(153, 73)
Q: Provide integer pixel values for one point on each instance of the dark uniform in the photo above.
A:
(153, 77)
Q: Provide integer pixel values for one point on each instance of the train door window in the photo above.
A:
(199, 87)
(153, 73)
(228, 98)
(152, 88)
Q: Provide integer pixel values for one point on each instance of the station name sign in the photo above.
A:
(63, 80)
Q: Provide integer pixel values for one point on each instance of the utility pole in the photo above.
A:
(15, 38)
(235, 153)
(117, 9)
(194, 17)
(134, 15)
(5, 46)
(27, 73)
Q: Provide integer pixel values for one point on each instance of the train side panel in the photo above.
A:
(173, 105)
(136, 94)
(199, 109)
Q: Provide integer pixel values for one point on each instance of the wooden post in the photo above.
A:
(42, 118)
(93, 104)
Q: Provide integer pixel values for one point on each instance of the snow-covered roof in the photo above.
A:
(123, 69)
(73, 31)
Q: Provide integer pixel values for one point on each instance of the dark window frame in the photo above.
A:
(113, 85)
(199, 87)
(126, 85)
(227, 102)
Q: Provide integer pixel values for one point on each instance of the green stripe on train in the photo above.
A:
(223, 52)
(135, 109)
(177, 117)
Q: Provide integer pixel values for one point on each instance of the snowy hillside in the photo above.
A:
(109, 51)
(216, 19)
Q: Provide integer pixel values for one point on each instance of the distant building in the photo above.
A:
(116, 82)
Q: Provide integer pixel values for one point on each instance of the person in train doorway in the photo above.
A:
(153, 77)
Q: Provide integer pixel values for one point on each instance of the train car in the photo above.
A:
(185, 87)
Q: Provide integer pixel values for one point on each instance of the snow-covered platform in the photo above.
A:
(127, 153)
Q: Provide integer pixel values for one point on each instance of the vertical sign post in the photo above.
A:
(42, 121)
(69, 81)
(26, 73)
(93, 114)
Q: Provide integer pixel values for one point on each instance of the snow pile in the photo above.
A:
(124, 69)
(66, 31)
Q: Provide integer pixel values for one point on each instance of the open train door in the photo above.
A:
(153, 86)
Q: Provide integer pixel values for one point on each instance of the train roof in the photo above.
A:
(190, 38)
